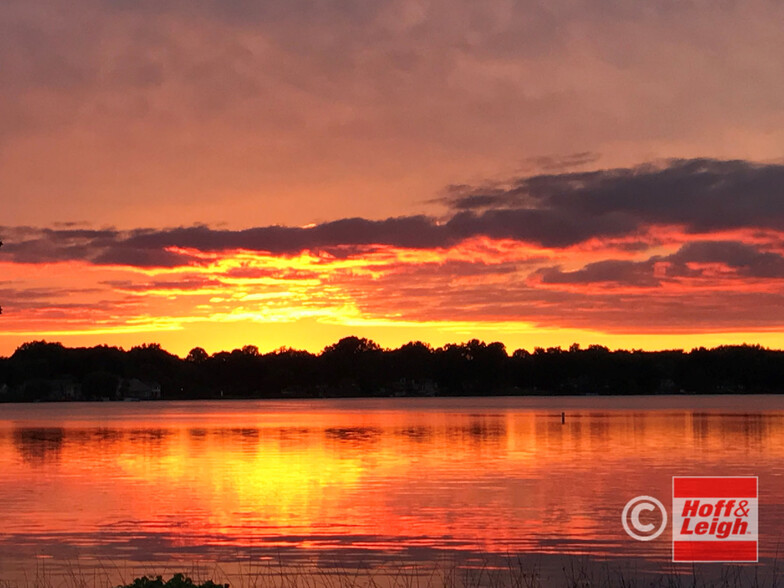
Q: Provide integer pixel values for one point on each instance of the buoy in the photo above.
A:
(563, 418)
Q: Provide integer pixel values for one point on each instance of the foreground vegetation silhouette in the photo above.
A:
(576, 573)
(355, 367)
(176, 581)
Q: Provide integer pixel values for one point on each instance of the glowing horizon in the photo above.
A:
(659, 287)
(218, 174)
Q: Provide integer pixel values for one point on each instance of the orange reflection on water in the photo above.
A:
(399, 476)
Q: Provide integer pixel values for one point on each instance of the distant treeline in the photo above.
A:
(359, 367)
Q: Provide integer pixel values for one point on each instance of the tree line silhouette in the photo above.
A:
(359, 367)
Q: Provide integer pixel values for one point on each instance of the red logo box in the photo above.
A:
(715, 519)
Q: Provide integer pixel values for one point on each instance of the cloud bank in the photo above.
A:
(699, 196)
(683, 246)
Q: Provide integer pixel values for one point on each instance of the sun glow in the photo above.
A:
(495, 289)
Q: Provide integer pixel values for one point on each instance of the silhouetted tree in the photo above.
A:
(150, 363)
(351, 346)
(353, 364)
(412, 360)
(250, 350)
(197, 355)
(41, 370)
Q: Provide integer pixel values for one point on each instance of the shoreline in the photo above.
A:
(571, 571)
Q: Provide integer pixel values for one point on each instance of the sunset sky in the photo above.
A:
(289, 172)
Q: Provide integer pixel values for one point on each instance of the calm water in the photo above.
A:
(364, 482)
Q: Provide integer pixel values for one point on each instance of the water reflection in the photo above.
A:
(398, 480)
(355, 436)
(39, 446)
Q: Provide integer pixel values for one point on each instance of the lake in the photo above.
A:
(350, 484)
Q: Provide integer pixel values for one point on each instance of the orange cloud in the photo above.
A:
(653, 254)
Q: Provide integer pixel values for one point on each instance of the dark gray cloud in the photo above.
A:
(555, 210)
(102, 247)
(558, 210)
(630, 273)
(550, 228)
(745, 261)
(414, 231)
(702, 194)
(150, 247)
